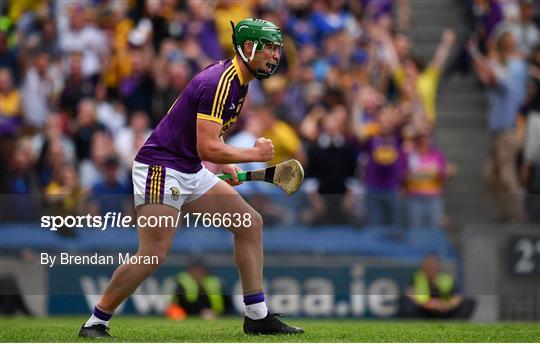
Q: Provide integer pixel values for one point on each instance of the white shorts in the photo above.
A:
(158, 184)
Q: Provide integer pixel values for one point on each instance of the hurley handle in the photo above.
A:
(242, 176)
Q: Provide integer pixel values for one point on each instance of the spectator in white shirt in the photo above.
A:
(130, 139)
(37, 90)
(82, 36)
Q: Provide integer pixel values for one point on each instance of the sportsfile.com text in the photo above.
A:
(117, 220)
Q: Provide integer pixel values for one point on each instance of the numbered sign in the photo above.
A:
(524, 255)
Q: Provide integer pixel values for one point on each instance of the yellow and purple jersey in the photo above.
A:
(426, 173)
(216, 94)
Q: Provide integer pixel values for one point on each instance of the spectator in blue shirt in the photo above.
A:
(505, 76)
(110, 194)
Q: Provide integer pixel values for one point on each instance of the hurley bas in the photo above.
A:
(65, 258)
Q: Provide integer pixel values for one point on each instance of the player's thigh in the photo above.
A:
(224, 200)
(156, 227)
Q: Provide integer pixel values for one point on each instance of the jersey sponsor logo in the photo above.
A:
(228, 124)
(385, 155)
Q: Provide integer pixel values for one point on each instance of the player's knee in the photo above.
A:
(160, 258)
(256, 228)
(154, 257)
(256, 221)
(155, 261)
(252, 228)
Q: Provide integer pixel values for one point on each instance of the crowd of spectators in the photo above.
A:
(82, 84)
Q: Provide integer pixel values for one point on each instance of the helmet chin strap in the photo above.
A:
(252, 52)
(258, 75)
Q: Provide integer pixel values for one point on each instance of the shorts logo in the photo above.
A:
(175, 193)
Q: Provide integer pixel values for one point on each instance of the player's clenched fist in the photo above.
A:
(264, 149)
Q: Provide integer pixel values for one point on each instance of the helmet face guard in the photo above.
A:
(273, 66)
(260, 33)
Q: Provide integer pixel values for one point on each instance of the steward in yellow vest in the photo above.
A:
(197, 293)
(433, 294)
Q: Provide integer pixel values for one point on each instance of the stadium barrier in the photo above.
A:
(313, 272)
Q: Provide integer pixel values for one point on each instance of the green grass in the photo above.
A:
(154, 329)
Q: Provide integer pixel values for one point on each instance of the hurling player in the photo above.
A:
(168, 175)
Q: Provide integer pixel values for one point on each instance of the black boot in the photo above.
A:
(94, 331)
(269, 325)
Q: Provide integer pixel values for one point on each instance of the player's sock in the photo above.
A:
(98, 317)
(255, 306)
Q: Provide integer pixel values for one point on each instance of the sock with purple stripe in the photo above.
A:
(255, 306)
(99, 317)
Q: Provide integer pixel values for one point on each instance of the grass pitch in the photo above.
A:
(229, 329)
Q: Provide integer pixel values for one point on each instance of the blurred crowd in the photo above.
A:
(83, 82)
(505, 50)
